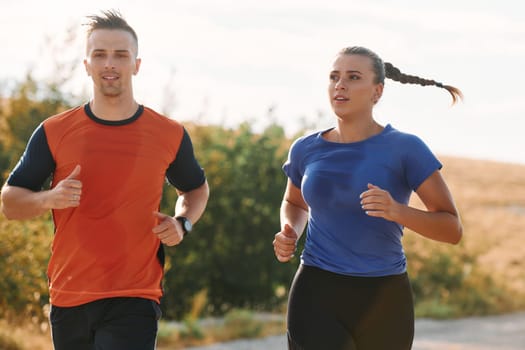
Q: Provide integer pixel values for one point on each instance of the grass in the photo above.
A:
(237, 324)
(24, 337)
(489, 263)
(491, 200)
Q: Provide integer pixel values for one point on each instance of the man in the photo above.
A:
(108, 160)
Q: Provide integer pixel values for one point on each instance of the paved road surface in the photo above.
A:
(505, 332)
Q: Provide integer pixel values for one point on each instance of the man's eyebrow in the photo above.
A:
(119, 51)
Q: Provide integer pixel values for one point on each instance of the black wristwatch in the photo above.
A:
(185, 223)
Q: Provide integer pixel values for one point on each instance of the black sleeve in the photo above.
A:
(185, 173)
(36, 164)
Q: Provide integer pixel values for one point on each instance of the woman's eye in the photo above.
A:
(354, 77)
(333, 77)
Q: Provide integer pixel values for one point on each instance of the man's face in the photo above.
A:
(111, 61)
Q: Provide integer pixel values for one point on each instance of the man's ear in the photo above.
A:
(86, 66)
(138, 61)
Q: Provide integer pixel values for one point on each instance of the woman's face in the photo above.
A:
(352, 89)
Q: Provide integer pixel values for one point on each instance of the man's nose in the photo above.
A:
(109, 64)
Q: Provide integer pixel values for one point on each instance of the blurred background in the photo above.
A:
(247, 78)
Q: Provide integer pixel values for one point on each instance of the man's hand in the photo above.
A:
(67, 193)
(168, 230)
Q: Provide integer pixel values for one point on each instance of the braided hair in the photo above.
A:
(388, 70)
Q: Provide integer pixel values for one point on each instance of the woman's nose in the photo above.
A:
(339, 85)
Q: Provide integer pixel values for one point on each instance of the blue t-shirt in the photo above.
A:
(340, 236)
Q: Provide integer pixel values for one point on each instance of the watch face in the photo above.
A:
(187, 225)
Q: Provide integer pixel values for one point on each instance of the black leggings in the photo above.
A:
(329, 311)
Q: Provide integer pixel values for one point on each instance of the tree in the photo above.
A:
(230, 254)
(24, 253)
(27, 106)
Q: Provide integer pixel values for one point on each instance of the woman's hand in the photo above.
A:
(379, 203)
(285, 243)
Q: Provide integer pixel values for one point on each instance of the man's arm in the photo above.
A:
(22, 196)
(187, 176)
(19, 203)
(191, 204)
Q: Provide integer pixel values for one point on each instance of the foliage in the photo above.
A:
(191, 330)
(24, 252)
(447, 283)
(229, 253)
(236, 324)
(24, 246)
(8, 343)
(243, 324)
(28, 105)
(24, 336)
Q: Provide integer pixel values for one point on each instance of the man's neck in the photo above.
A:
(113, 108)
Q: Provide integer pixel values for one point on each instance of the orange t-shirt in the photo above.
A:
(105, 247)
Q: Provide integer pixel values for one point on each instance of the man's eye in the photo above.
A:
(354, 77)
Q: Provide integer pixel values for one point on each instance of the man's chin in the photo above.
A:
(109, 93)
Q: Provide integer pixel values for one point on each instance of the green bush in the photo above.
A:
(191, 329)
(447, 284)
(24, 253)
(242, 324)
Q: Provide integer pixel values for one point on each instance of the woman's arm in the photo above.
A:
(440, 222)
(294, 216)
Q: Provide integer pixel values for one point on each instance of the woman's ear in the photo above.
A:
(378, 92)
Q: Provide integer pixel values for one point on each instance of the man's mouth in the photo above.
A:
(110, 77)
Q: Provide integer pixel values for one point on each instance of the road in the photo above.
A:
(506, 332)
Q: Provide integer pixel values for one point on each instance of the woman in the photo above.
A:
(352, 184)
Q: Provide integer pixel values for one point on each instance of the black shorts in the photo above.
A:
(106, 324)
(329, 311)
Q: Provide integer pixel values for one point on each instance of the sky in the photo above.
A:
(263, 62)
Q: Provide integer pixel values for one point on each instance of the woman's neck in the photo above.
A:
(355, 130)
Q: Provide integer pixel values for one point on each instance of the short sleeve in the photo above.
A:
(420, 162)
(185, 173)
(36, 164)
(293, 166)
